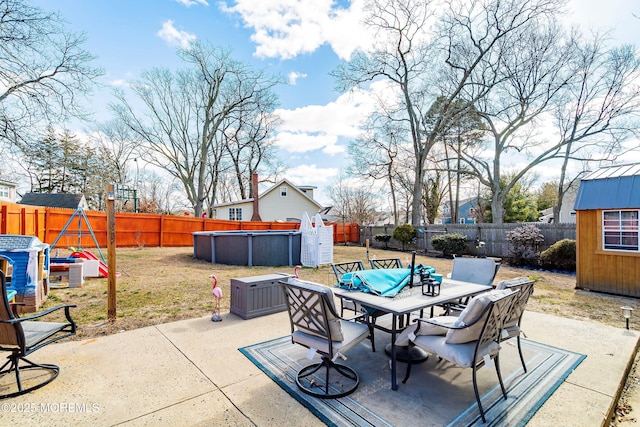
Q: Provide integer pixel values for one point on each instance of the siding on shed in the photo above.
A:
(615, 272)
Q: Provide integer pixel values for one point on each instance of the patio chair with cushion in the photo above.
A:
(474, 270)
(21, 337)
(481, 271)
(470, 340)
(316, 325)
(386, 263)
(511, 327)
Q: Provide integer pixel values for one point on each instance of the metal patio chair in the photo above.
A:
(316, 325)
(511, 327)
(386, 263)
(472, 340)
(22, 336)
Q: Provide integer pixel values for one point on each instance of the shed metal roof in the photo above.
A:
(614, 187)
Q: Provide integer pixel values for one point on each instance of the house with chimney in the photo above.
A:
(284, 201)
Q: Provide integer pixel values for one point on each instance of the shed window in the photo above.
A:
(235, 214)
(620, 230)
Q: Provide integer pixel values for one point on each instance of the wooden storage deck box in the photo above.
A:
(257, 295)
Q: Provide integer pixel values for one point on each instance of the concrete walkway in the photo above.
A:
(190, 373)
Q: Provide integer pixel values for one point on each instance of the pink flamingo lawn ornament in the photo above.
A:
(295, 271)
(217, 294)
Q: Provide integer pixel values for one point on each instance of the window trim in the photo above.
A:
(629, 231)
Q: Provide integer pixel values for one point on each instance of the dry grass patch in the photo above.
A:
(159, 285)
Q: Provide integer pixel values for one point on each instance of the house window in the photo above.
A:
(4, 191)
(283, 191)
(235, 214)
(620, 229)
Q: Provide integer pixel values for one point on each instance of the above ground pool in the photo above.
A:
(253, 247)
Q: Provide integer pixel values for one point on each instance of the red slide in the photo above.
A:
(102, 267)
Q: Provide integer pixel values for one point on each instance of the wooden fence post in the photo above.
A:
(111, 253)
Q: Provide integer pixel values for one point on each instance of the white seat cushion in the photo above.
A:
(426, 329)
(460, 354)
(353, 333)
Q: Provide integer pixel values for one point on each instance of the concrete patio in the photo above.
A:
(190, 373)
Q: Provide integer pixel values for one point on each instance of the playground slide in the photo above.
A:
(102, 267)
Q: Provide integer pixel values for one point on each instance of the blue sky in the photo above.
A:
(301, 39)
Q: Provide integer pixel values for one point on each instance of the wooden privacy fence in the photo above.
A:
(132, 230)
(494, 236)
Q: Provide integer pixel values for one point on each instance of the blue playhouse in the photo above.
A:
(25, 262)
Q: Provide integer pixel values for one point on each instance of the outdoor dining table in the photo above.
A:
(410, 300)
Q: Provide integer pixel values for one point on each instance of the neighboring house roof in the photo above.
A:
(274, 188)
(614, 187)
(54, 200)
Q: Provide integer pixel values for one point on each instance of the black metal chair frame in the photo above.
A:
(310, 310)
(21, 336)
(386, 263)
(493, 316)
(371, 316)
(525, 289)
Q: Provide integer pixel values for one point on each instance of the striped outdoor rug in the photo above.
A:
(438, 393)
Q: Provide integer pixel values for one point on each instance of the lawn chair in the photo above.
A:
(474, 270)
(481, 271)
(22, 336)
(511, 327)
(472, 339)
(316, 325)
(386, 263)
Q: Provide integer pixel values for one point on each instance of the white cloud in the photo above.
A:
(311, 174)
(175, 37)
(285, 28)
(294, 76)
(301, 142)
(119, 83)
(321, 127)
(189, 3)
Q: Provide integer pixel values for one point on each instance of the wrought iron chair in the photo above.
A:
(471, 340)
(371, 315)
(22, 336)
(511, 327)
(386, 263)
(342, 268)
(315, 324)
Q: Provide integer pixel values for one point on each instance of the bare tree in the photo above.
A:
(355, 200)
(603, 99)
(460, 61)
(376, 154)
(119, 145)
(183, 112)
(44, 71)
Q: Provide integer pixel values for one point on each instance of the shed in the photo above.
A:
(607, 230)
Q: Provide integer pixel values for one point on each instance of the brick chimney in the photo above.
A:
(254, 193)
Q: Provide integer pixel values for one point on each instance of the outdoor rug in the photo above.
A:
(438, 393)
